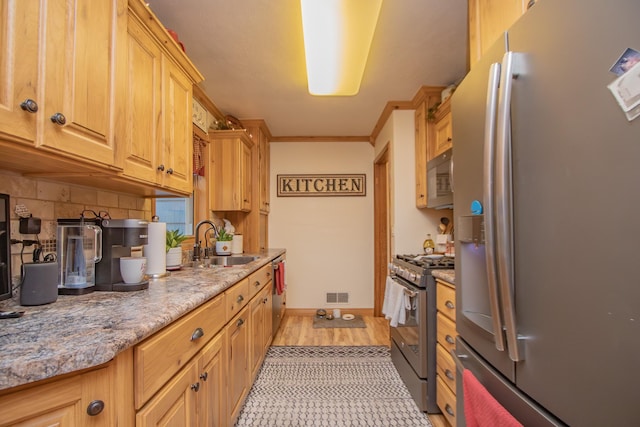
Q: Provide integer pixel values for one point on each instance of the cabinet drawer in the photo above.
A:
(446, 367)
(258, 279)
(446, 332)
(237, 297)
(446, 401)
(446, 300)
(158, 358)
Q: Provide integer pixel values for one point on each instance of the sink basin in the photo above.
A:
(223, 261)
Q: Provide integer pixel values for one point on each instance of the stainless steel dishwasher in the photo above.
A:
(278, 300)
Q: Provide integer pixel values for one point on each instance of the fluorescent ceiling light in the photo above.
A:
(337, 38)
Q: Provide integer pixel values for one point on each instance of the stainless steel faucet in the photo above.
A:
(196, 245)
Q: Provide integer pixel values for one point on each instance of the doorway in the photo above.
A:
(381, 234)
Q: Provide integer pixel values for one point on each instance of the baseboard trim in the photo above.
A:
(343, 310)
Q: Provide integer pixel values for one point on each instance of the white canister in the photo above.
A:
(236, 244)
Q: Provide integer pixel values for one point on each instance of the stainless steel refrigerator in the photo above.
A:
(547, 206)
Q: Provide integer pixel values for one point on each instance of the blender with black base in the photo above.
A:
(118, 237)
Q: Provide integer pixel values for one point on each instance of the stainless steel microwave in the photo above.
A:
(440, 181)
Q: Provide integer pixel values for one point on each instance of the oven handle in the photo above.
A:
(410, 293)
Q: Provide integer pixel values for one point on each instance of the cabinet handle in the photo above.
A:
(449, 304)
(29, 105)
(240, 322)
(240, 298)
(449, 139)
(95, 407)
(449, 374)
(160, 168)
(450, 339)
(195, 387)
(204, 376)
(170, 171)
(198, 333)
(264, 301)
(449, 410)
(257, 283)
(59, 119)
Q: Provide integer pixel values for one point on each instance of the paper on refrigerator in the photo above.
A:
(626, 90)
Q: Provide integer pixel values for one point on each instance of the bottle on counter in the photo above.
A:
(428, 245)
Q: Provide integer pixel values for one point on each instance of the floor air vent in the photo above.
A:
(337, 297)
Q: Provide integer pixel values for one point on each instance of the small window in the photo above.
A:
(177, 213)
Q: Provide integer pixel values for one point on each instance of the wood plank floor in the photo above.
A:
(298, 330)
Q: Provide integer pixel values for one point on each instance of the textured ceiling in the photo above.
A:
(251, 54)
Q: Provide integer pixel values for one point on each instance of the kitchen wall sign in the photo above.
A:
(317, 185)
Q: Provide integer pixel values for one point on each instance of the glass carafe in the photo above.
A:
(79, 248)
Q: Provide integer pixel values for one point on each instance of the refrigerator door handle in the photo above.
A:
(504, 207)
(488, 180)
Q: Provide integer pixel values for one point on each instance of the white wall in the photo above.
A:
(329, 240)
(409, 225)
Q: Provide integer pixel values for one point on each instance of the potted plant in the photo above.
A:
(174, 250)
(223, 242)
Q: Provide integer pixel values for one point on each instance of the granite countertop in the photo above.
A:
(446, 275)
(78, 332)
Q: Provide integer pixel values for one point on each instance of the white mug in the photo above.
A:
(132, 269)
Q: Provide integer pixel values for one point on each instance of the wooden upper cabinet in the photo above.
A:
(488, 20)
(443, 134)
(424, 138)
(230, 171)
(82, 87)
(159, 99)
(60, 59)
(19, 69)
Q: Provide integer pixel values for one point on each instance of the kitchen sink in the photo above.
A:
(222, 261)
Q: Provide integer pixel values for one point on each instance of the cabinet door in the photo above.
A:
(257, 334)
(18, 69)
(263, 171)
(83, 77)
(267, 301)
(230, 171)
(212, 370)
(443, 130)
(141, 158)
(421, 154)
(63, 403)
(178, 142)
(175, 403)
(238, 367)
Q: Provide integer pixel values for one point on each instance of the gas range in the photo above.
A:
(416, 269)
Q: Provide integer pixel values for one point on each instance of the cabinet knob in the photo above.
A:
(449, 410)
(170, 171)
(160, 168)
(195, 387)
(257, 284)
(264, 301)
(450, 339)
(204, 376)
(198, 333)
(95, 407)
(240, 298)
(29, 105)
(240, 322)
(59, 119)
(449, 139)
(449, 305)
(449, 374)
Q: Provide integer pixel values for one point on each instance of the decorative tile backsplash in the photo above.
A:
(52, 200)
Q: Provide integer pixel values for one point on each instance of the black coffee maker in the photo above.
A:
(118, 237)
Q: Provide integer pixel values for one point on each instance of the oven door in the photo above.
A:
(411, 337)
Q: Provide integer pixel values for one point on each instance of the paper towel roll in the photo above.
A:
(155, 251)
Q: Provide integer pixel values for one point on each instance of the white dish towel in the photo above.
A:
(394, 303)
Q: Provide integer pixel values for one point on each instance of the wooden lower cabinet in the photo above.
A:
(261, 327)
(238, 357)
(193, 397)
(66, 402)
(445, 366)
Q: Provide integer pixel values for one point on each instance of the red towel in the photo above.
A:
(280, 278)
(480, 408)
